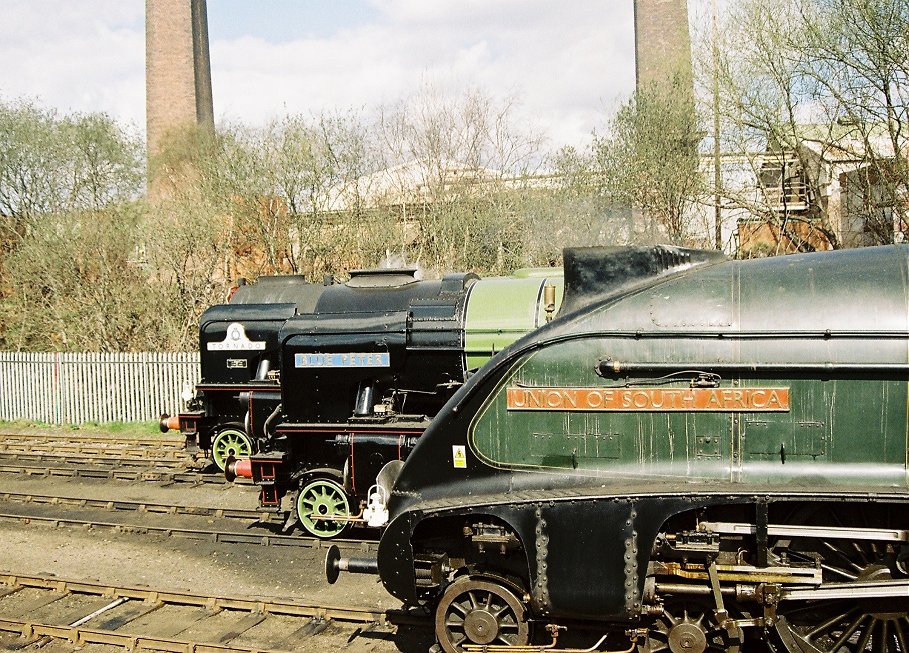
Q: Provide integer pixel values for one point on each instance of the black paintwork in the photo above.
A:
(418, 324)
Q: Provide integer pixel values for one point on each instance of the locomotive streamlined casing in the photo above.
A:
(574, 448)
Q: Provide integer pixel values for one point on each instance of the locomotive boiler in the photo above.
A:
(698, 455)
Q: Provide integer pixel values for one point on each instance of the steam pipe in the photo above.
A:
(610, 367)
(266, 427)
(262, 370)
(365, 395)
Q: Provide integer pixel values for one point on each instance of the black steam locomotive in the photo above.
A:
(239, 356)
(697, 455)
(310, 389)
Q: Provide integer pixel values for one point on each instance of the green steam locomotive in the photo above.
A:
(698, 455)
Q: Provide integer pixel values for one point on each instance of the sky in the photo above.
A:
(567, 63)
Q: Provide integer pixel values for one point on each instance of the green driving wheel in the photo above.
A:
(230, 442)
(322, 498)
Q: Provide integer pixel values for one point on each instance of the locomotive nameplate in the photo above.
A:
(351, 359)
(650, 399)
(235, 340)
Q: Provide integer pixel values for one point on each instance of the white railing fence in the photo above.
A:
(93, 387)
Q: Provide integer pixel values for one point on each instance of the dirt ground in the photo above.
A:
(174, 563)
(171, 562)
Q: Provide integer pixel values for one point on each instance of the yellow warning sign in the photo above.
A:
(459, 456)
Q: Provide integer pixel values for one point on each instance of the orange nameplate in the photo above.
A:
(650, 399)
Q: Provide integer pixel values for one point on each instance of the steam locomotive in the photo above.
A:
(348, 376)
(239, 359)
(697, 455)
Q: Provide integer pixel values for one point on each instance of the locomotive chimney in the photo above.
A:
(263, 369)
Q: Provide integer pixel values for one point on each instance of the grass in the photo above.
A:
(120, 429)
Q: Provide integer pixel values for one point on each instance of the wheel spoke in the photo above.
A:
(865, 636)
(840, 572)
(460, 608)
(879, 641)
(829, 623)
(501, 611)
(842, 554)
(900, 634)
(854, 626)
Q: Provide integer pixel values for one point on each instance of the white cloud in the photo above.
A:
(75, 56)
(565, 62)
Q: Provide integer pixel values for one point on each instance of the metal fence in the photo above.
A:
(93, 387)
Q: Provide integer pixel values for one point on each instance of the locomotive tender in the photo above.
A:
(697, 455)
(348, 375)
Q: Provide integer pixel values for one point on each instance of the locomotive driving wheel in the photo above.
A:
(690, 628)
(849, 623)
(230, 442)
(319, 499)
(479, 611)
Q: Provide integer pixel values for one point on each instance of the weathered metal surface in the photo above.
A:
(802, 361)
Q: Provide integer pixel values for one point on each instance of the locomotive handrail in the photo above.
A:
(610, 367)
(826, 334)
(697, 378)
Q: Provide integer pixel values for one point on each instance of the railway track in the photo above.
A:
(143, 448)
(39, 609)
(127, 459)
(242, 514)
(160, 512)
(104, 458)
(99, 470)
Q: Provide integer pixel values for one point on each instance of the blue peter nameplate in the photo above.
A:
(352, 359)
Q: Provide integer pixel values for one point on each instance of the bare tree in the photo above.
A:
(460, 168)
(813, 96)
(50, 164)
(650, 159)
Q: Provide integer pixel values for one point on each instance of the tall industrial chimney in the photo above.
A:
(662, 44)
(177, 69)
